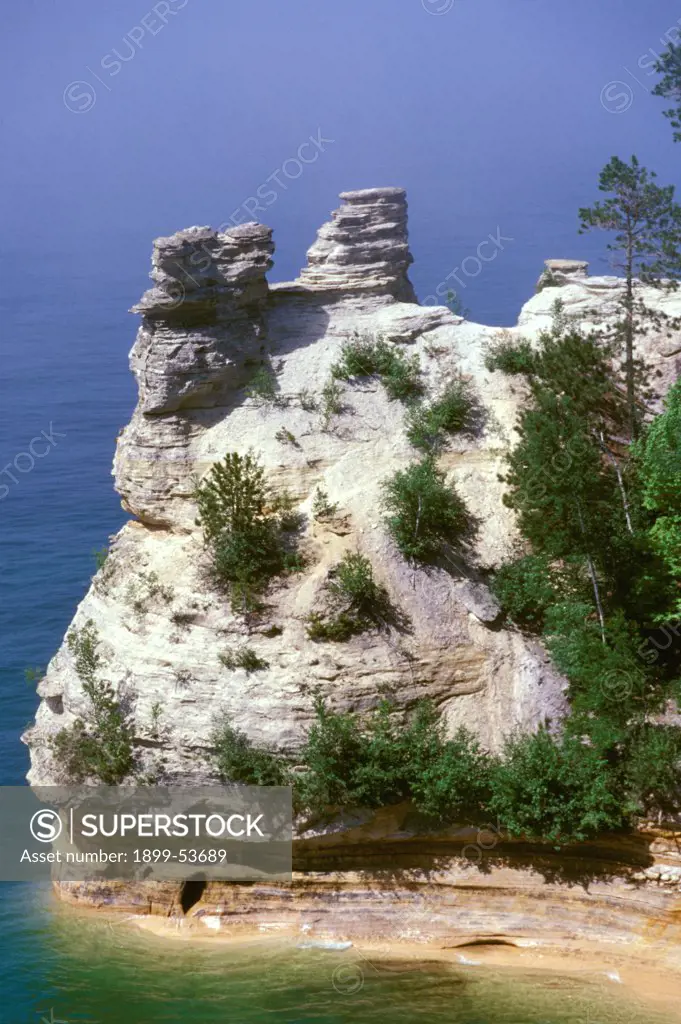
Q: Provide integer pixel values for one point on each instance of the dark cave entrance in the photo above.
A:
(191, 893)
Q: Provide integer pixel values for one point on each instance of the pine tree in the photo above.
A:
(659, 456)
(561, 487)
(646, 222)
(669, 66)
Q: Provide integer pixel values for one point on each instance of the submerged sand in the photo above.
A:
(645, 972)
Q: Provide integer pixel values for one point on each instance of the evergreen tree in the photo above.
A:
(659, 456)
(669, 66)
(560, 486)
(646, 222)
(564, 479)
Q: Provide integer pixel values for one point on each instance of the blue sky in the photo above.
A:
(126, 119)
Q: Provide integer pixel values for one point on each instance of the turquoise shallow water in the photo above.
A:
(67, 968)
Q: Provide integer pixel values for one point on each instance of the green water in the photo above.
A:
(61, 967)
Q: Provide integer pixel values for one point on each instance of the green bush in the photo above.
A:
(423, 513)
(145, 589)
(385, 761)
(365, 356)
(653, 769)
(658, 458)
(232, 497)
(34, 675)
(338, 628)
(244, 536)
(428, 425)
(307, 400)
(359, 603)
(610, 689)
(262, 387)
(246, 561)
(334, 747)
(284, 436)
(284, 507)
(239, 761)
(243, 657)
(554, 789)
(101, 747)
(100, 556)
(511, 357)
(659, 454)
(526, 590)
(449, 780)
(322, 508)
(352, 580)
(332, 404)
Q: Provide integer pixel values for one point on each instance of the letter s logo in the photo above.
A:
(46, 825)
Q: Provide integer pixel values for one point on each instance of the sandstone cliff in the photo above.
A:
(208, 322)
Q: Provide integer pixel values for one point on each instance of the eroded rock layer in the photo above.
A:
(364, 246)
(382, 881)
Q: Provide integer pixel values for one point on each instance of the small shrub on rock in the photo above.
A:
(243, 535)
(337, 629)
(332, 404)
(101, 747)
(429, 425)
(322, 508)
(243, 657)
(511, 357)
(262, 387)
(365, 356)
(307, 400)
(238, 760)
(359, 602)
(422, 512)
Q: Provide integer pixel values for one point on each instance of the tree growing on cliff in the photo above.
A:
(422, 512)
(99, 747)
(555, 789)
(659, 457)
(242, 525)
(646, 223)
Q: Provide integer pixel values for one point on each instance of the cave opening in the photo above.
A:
(191, 893)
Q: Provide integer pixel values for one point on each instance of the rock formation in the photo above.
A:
(559, 272)
(209, 321)
(364, 247)
(194, 353)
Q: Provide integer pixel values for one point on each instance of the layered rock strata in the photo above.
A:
(364, 247)
(381, 880)
(559, 272)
